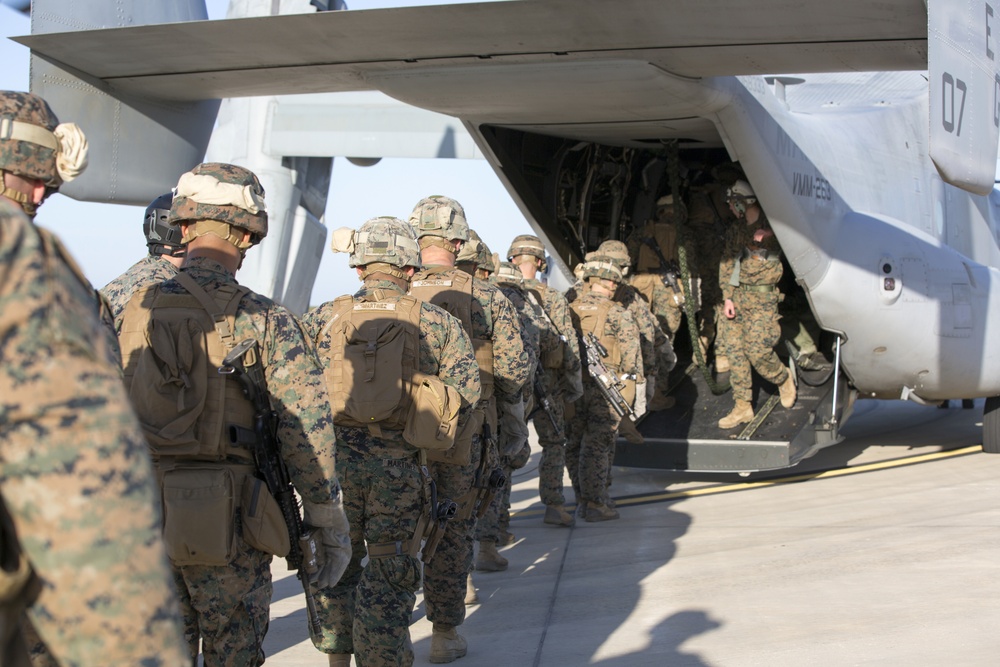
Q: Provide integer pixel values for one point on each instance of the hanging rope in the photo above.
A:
(673, 172)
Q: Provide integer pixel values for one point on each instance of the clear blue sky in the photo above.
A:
(106, 239)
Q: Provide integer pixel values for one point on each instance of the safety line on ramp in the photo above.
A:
(649, 498)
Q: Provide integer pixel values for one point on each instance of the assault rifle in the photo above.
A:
(546, 403)
(441, 512)
(244, 362)
(669, 268)
(489, 479)
(607, 382)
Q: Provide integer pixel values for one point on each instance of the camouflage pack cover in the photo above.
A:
(440, 216)
(385, 240)
(251, 215)
(24, 158)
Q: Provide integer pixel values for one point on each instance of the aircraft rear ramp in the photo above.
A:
(686, 437)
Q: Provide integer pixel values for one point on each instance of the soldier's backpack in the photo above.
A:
(172, 346)
(452, 291)
(592, 317)
(373, 375)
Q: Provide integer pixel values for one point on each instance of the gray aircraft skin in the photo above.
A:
(878, 182)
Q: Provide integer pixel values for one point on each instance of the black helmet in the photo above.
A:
(161, 238)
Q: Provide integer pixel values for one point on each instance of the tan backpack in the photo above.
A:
(172, 346)
(592, 317)
(373, 375)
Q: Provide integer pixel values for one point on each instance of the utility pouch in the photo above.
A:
(432, 422)
(553, 359)
(461, 453)
(628, 390)
(199, 512)
(263, 524)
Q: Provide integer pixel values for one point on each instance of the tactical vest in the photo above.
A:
(553, 356)
(666, 237)
(453, 293)
(592, 317)
(172, 346)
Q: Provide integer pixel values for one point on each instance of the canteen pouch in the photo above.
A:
(432, 422)
(199, 512)
(263, 524)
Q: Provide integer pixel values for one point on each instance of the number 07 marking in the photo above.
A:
(948, 86)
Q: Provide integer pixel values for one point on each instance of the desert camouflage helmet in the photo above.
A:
(162, 238)
(440, 216)
(615, 251)
(383, 240)
(222, 192)
(602, 267)
(475, 251)
(526, 244)
(508, 272)
(34, 145)
(667, 211)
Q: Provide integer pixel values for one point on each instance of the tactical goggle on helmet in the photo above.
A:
(741, 196)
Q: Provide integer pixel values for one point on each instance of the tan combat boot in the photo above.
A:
(471, 596)
(600, 512)
(557, 515)
(787, 392)
(721, 364)
(489, 559)
(339, 659)
(446, 644)
(742, 413)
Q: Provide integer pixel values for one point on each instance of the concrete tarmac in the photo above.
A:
(882, 550)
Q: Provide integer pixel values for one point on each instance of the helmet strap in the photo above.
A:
(27, 204)
(446, 244)
(382, 267)
(223, 230)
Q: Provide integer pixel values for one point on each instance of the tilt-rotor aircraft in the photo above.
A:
(868, 131)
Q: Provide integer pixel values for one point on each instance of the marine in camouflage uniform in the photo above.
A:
(562, 379)
(441, 229)
(227, 606)
(514, 447)
(368, 612)
(166, 254)
(48, 153)
(749, 275)
(85, 576)
(592, 428)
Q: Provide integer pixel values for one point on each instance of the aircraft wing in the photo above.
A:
(373, 49)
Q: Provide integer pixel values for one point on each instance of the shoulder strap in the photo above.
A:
(224, 318)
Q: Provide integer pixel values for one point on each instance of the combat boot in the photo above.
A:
(662, 402)
(742, 413)
(787, 392)
(557, 515)
(600, 512)
(471, 596)
(489, 559)
(446, 644)
(507, 538)
(339, 659)
(721, 364)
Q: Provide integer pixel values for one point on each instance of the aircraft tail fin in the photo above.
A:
(964, 74)
(138, 146)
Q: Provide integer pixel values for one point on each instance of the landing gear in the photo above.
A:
(991, 425)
